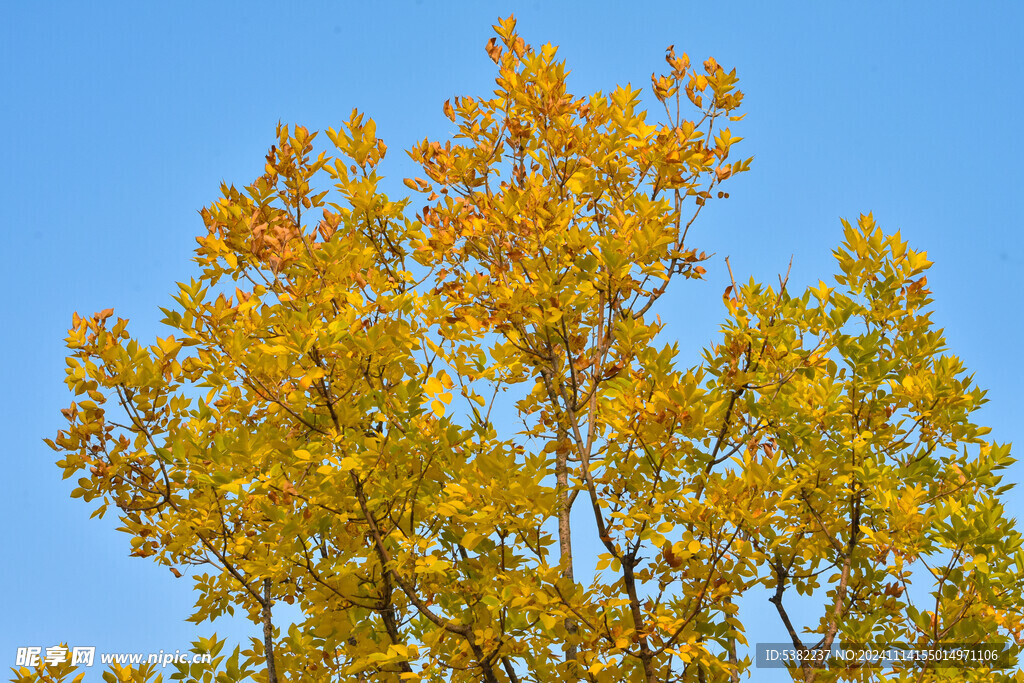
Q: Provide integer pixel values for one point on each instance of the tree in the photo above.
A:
(320, 427)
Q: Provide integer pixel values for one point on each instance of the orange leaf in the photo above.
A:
(493, 50)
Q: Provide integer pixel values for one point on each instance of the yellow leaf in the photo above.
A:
(470, 540)
(549, 622)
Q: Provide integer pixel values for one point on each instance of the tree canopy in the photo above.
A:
(321, 427)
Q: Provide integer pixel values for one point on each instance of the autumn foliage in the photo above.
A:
(382, 411)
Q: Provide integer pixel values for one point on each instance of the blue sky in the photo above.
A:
(120, 120)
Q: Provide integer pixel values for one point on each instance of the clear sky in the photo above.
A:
(119, 120)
